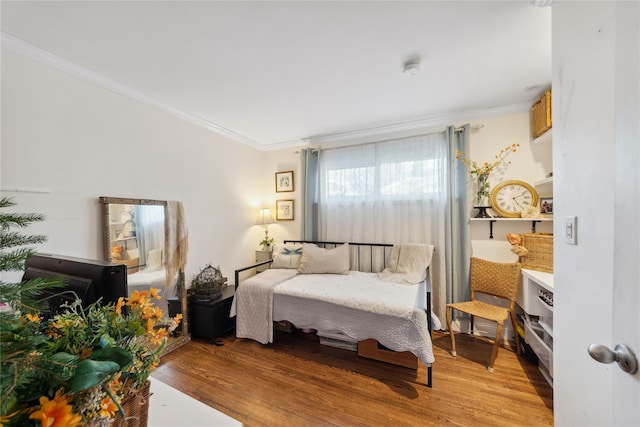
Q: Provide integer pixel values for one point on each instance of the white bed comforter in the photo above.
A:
(358, 305)
(144, 279)
(357, 290)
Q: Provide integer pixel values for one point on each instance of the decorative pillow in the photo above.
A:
(154, 260)
(286, 256)
(317, 260)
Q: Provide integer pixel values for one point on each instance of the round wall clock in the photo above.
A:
(510, 198)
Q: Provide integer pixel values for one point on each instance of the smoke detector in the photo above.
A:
(411, 68)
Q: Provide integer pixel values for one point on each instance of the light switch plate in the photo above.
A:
(570, 230)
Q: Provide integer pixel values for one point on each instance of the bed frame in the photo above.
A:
(367, 257)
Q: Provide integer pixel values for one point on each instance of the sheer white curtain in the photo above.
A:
(150, 226)
(388, 192)
(384, 192)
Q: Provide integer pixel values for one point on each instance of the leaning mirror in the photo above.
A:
(134, 235)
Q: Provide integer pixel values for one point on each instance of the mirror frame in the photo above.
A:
(183, 336)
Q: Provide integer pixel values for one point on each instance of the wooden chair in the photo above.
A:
(492, 278)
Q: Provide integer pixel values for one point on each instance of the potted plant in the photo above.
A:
(208, 284)
(79, 366)
(266, 242)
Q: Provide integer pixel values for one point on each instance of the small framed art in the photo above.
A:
(284, 210)
(284, 181)
(546, 205)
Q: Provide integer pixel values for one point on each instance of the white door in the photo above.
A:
(626, 264)
(596, 74)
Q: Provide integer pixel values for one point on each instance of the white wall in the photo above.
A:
(530, 163)
(283, 160)
(72, 141)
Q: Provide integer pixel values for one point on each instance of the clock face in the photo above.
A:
(510, 198)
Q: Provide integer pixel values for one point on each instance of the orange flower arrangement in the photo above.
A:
(82, 362)
(56, 412)
(483, 171)
(116, 252)
(75, 366)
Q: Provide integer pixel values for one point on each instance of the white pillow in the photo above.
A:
(286, 256)
(154, 260)
(317, 260)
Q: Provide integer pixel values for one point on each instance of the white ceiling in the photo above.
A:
(274, 74)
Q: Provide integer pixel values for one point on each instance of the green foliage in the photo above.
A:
(267, 241)
(90, 373)
(81, 358)
(13, 260)
(13, 253)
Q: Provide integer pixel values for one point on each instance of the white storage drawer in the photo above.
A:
(535, 341)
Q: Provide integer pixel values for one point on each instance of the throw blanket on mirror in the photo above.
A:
(176, 242)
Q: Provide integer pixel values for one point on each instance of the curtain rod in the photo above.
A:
(315, 150)
(377, 141)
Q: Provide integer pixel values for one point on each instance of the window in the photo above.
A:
(394, 178)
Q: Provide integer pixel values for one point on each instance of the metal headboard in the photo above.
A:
(377, 253)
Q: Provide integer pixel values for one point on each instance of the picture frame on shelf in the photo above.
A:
(284, 182)
(546, 205)
(284, 210)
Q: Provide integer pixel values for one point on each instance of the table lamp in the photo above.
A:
(265, 218)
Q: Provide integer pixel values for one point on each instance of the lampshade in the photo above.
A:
(264, 217)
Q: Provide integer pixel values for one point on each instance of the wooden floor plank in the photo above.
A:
(298, 382)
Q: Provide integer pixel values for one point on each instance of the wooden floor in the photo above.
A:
(298, 382)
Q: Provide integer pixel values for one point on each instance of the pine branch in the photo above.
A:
(6, 202)
(14, 260)
(25, 296)
(20, 220)
(9, 239)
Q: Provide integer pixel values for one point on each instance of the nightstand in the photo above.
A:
(263, 256)
(211, 319)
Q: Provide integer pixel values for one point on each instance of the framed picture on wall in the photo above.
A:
(284, 210)
(284, 181)
(546, 205)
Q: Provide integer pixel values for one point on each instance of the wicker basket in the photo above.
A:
(540, 251)
(541, 115)
(136, 408)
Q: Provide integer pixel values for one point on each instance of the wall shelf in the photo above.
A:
(544, 187)
(544, 138)
(491, 221)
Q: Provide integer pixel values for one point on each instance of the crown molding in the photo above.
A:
(35, 53)
(419, 124)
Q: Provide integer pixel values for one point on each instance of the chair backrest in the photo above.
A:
(495, 278)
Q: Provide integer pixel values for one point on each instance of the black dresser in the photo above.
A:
(210, 319)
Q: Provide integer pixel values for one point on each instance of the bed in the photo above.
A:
(363, 291)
